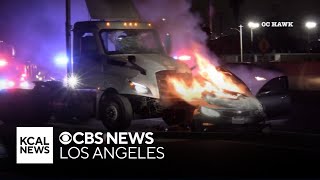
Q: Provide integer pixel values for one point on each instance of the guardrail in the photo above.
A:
(303, 70)
(272, 57)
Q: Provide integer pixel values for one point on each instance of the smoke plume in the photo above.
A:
(174, 17)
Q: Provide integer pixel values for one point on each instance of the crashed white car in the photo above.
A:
(267, 101)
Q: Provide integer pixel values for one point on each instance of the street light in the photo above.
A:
(310, 25)
(253, 25)
(241, 47)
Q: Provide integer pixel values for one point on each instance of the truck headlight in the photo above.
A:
(72, 81)
(141, 89)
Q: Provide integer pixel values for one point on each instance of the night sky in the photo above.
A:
(231, 13)
(37, 26)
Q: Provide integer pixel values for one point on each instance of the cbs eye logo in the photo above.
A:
(65, 138)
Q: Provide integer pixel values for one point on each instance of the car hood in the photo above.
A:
(242, 102)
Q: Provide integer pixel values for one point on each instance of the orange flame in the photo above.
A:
(209, 80)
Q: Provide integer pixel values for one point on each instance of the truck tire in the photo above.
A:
(178, 116)
(116, 112)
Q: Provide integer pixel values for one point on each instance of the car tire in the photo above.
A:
(177, 116)
(116, 112)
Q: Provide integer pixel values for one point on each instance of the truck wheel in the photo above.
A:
(116, 112)
(177, 116)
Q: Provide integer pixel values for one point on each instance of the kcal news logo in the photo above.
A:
(34, 145)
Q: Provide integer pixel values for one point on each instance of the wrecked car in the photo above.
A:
(239, 109)
(265, 103)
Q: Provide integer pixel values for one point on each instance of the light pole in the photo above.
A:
(310, 25)
(252, 26)
(241, 44)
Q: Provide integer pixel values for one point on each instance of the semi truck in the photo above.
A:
(117, 73)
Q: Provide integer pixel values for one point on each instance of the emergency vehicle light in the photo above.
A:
(24, 84)
(4, 84)
(182, 58)
(11, 83)
(61, 60)
(3, 62)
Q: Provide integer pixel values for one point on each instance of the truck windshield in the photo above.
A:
(131, 41)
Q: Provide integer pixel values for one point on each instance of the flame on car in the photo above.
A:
(208, 80)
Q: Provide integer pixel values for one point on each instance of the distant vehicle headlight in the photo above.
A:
(5, 84)
(141, 89)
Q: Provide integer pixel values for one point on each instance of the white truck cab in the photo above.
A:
(126, 65)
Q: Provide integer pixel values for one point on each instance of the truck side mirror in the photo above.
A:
(117, 62)
(132, 60)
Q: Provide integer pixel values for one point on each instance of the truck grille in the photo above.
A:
(166, 95)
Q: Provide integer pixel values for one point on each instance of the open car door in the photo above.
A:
(274, 96)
